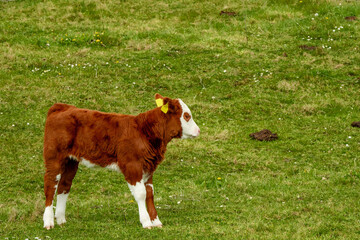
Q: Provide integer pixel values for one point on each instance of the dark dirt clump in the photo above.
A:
(306, 47)
(351, 18)
(228, 13)
(264, 135)
(356, 124)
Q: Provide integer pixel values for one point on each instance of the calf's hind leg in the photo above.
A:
(63, 190)
(51, 179)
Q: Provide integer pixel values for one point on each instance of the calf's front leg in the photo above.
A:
(138, 190)
(150, 204)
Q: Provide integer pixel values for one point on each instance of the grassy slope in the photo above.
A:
(233, 74)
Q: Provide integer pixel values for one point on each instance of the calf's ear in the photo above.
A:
(166, 104)
(157, 96)
(160, 100)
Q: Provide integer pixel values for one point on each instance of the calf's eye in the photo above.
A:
(187, 116)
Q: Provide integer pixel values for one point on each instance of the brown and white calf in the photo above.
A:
(133, 145)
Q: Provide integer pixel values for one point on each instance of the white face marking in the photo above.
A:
(189, 128)
(113, 167)
(60, 208)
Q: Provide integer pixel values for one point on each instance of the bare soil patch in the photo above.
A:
(351, 18)
(306, 47)
(264, 135)
(228, 13)
(355, 124)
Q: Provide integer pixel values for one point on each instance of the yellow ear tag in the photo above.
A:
(165, 108)
(159, 102)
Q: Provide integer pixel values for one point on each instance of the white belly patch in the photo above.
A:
(87, 163)
(112, 166)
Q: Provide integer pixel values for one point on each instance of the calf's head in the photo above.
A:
(179, 118)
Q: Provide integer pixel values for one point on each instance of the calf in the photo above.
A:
(133, 145)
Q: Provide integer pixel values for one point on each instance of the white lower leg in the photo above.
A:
(60, 208)
(156, 222)
(48, 217)
(139, 193)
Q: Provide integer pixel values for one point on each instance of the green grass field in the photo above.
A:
(289, 66)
